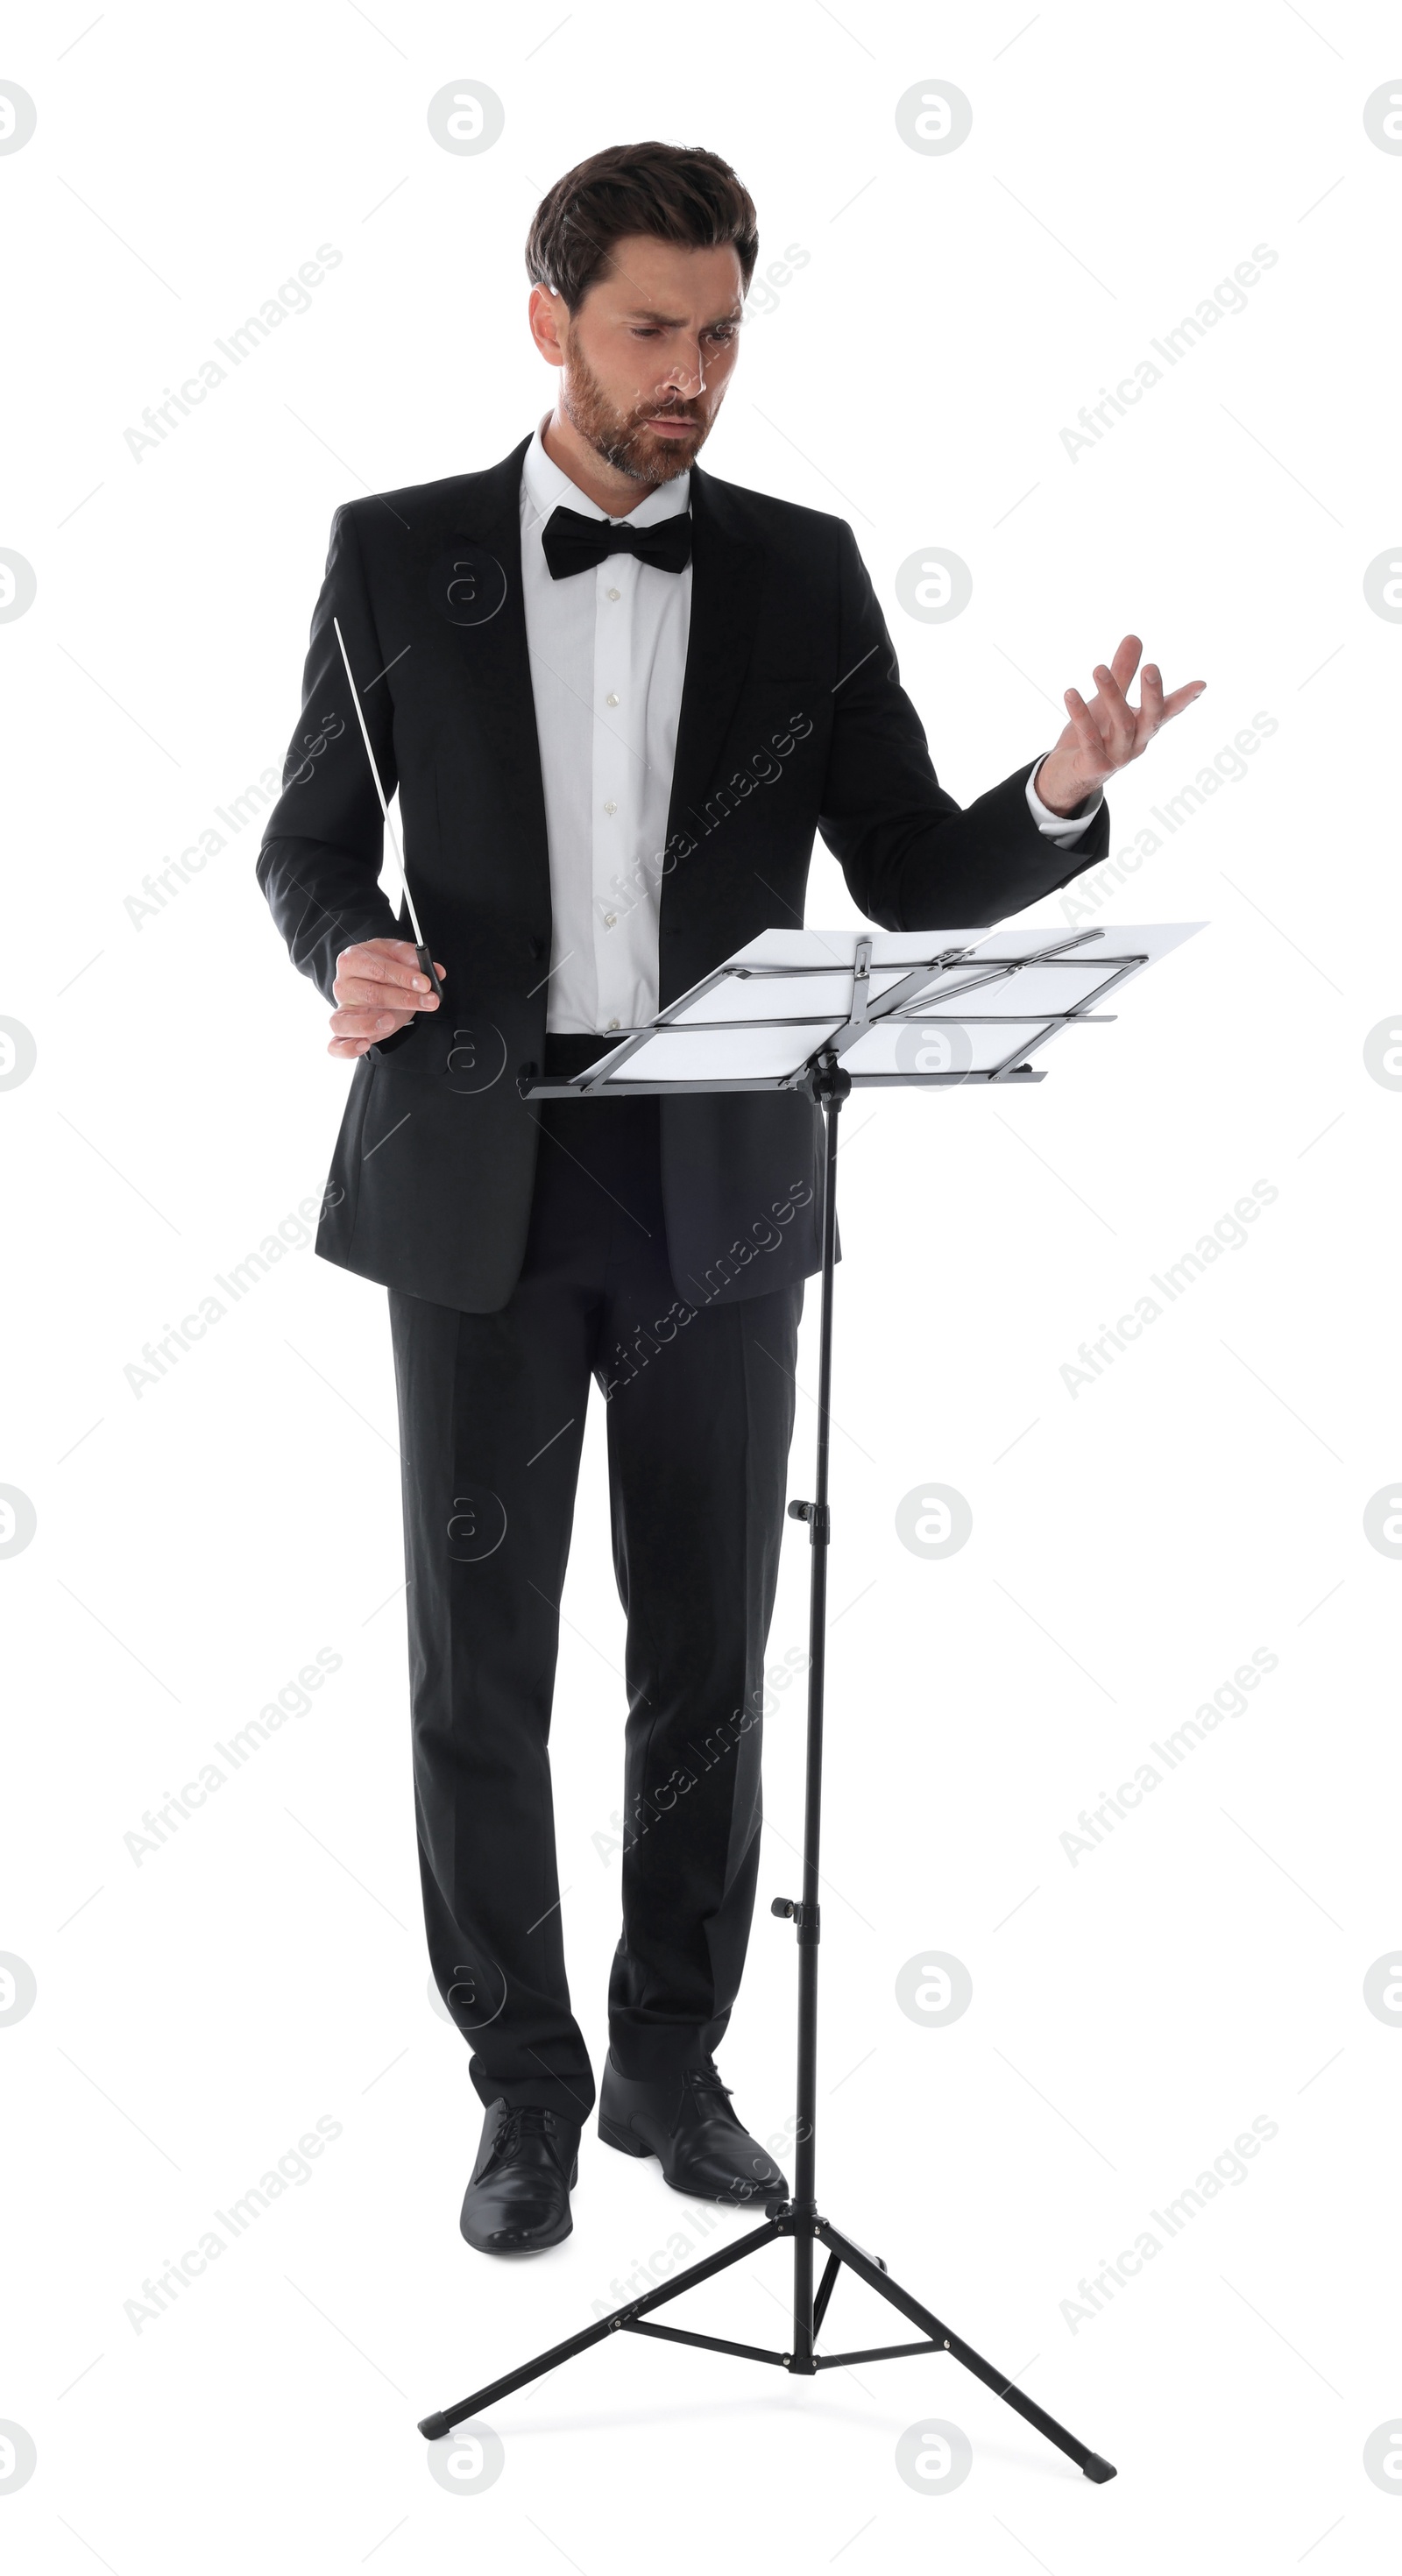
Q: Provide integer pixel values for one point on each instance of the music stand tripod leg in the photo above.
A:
(433, 2427)
(943, 2339)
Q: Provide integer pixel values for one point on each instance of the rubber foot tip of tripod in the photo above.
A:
(1097, 2470)
(434, 2427)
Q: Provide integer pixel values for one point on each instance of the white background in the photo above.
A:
(1132, 1545)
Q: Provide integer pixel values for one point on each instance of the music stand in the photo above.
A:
(827, 1013)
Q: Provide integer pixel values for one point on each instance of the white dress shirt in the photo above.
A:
(608, 658)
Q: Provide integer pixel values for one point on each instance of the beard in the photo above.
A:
(623, 439)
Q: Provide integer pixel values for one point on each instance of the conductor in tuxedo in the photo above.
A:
(618, 697)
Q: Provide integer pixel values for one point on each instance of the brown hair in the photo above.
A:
(666, 190)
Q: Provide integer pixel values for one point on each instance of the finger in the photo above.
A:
(1150, 715)
(354, 992)
(401, 949)
(383, 962)
(1119, 713)
(1089, 739)
(368, 1024)
(358, 992)
(1125, 661)
(350, 1046)
(372, 976)
(1181, 698)
(1112, 696)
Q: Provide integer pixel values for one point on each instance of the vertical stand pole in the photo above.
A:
(834, 1085)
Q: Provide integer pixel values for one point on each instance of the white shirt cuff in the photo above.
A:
(1060, 828)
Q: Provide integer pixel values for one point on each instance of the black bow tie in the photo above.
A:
(573, 543)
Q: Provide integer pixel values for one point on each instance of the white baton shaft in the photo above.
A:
(425, 961)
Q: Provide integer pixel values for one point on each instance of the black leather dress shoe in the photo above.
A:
(687, 2121)
(519, 2197)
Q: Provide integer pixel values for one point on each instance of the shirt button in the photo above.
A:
(612, 699)
(609, 919)
(613, 594)
(610, 807)
(613, 1024)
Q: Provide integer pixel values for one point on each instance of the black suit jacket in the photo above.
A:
(792, 720)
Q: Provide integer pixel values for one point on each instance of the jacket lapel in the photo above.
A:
(727, 569)
(498, 656)
(489, 514)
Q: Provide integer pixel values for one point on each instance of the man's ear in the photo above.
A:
(547, 315)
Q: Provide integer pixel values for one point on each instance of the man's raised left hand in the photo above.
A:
(1102, 736)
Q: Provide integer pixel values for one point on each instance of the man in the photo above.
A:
(618, 697)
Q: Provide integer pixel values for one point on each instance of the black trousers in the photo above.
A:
(700, 1414)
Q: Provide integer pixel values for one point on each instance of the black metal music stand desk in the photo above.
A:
(827, 1013)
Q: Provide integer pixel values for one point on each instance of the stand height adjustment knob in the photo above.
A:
(819, 1519)
(806, 1919)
